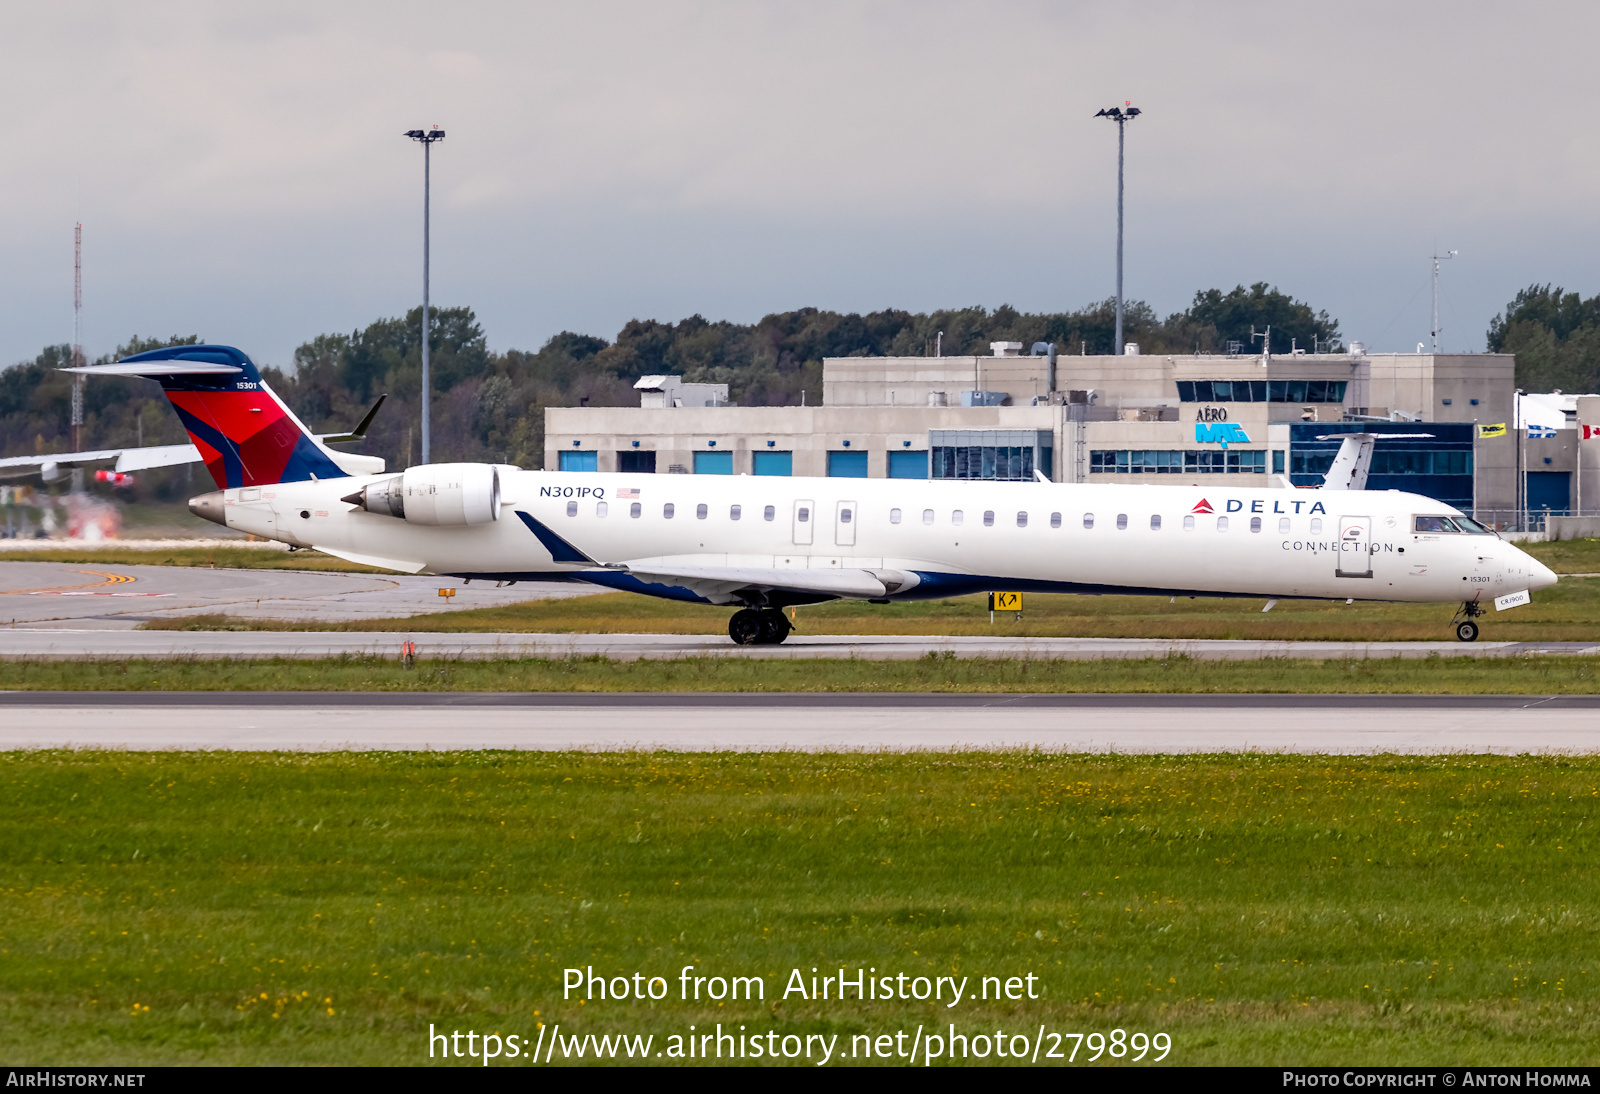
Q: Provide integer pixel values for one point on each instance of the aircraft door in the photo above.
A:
(844, 524)
(1355, 547)
(805, 521)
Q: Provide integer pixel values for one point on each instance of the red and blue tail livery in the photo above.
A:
(245, 434)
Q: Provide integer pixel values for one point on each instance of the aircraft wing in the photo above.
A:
(165, 455)
(17, 467)
(723, 584)
(717, 583)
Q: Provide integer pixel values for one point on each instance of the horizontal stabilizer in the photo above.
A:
(134, 367)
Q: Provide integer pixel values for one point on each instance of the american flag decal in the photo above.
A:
(627, 492)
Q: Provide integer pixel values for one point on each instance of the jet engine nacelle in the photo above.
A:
(435, 494)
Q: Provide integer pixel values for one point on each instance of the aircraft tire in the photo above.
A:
(774, 628)
(1467, 631)
(745, 627)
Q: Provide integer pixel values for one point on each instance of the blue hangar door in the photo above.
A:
(1550, 490)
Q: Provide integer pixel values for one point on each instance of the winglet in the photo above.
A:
(560, 550)
(360, 431)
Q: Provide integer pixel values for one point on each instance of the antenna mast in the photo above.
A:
(77, 337)
(1437, 258)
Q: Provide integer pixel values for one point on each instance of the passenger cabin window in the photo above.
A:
(667, 510)
(1222, 524)
(635, 510)
(734, 511)
(927, 516)
(601, 509)
(844, 516)
(769, 513)
(803, 515)
(1155, 522)
(1022, 520)
(572, 508)
(1122, 522)
(894, 516)
(988, 518)
(700, 511)
(1088, 520)
(1316, 526)
(1188, 523)
(1255, 524)
(1055, 520)
(955, 518)
(1436, 524)
(1283, 525)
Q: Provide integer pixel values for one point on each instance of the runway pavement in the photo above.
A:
(62, 643)
(698, 722)
(112, 597)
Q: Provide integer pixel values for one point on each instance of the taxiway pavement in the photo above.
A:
(809, 722)
(113, 597)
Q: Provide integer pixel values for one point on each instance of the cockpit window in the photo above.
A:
(1472, 527)
(1436, 524)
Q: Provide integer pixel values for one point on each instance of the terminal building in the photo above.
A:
(1252, 420)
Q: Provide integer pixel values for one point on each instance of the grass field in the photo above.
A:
(215, 908)
(1568, 612)
(934, 672)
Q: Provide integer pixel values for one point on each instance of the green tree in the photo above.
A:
(1555, 336)
(1233, 315)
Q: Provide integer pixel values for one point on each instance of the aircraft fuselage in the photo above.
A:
(952, 537)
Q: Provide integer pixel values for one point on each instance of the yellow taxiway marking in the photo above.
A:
(110, 579)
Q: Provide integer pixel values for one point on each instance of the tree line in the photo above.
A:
(490, 406)
(1556, 337)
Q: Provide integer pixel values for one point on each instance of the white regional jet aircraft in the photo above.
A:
(766, 543)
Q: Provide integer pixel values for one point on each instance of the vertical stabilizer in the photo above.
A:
(245, 433)
(1350, 466)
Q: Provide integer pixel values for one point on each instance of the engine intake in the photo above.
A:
(438, 494)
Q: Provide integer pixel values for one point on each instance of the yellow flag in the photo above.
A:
(1496, 430)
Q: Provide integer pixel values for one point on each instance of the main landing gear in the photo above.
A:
(749, 627)
(1466, 629)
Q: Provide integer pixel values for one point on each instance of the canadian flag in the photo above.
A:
(1202, 506)
(1591, 431)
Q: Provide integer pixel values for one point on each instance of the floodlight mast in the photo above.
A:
(1122, 117)
(426, 138)
(1437, 258)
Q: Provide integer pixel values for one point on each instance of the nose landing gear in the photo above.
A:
(1466, 628)
(749, 627)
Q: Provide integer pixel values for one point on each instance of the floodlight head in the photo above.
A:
(1134, 112)
(413, 133)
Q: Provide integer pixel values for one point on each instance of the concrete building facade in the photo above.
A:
(1074, 418)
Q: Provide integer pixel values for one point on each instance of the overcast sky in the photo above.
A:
(240, 171)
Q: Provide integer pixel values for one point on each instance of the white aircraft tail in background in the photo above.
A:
(1350, 466)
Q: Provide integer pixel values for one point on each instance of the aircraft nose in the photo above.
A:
(1540, 576)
